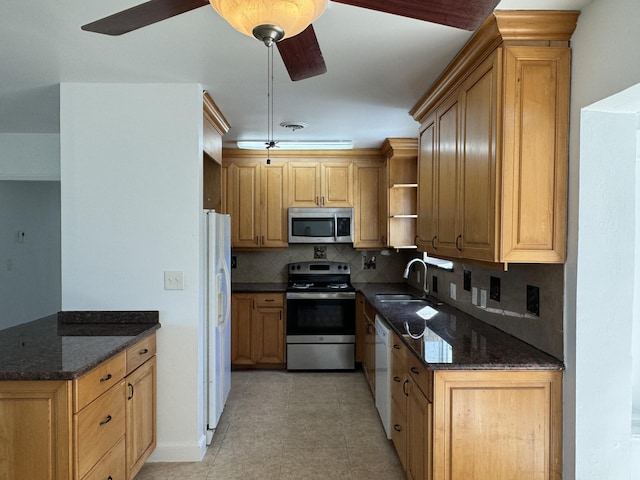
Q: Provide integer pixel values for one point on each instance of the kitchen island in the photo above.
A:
(77, 395)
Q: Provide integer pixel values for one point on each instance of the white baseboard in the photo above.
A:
(181, 452)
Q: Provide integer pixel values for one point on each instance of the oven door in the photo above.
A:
(321, 317)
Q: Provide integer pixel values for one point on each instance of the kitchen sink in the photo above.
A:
(398, 297)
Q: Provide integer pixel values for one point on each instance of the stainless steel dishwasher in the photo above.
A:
(383, 374)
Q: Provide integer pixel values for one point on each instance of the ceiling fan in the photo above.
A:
(301, 52)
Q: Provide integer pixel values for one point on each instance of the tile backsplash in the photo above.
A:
(509, 311)
(271, 266)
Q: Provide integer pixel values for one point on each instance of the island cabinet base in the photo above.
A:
(497, 424)
(98, 426)
(35, 417)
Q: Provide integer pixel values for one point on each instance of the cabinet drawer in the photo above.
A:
(421, 375)
(269, 300)
(98, 427)
(110, 466)
(98, 381)
(140, 353)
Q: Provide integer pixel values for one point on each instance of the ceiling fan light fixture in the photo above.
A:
(290, 16)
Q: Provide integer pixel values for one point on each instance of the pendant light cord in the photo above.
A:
(270, 142)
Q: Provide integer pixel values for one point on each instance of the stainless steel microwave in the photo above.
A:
(320, 225)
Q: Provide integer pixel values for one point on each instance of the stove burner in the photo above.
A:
(337, 286)
(301, 286)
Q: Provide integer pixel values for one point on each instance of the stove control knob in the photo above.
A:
(299, 267)
(339, 267)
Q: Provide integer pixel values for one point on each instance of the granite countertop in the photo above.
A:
(452, 339)
(275, 287)
(68, 345)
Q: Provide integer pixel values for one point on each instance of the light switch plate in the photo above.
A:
(174, 280)
(483, 298)
(474, 295)
(452, 291)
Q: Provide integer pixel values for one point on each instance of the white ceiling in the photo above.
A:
(378, 66)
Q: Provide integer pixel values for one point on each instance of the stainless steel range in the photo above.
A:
(321, 308)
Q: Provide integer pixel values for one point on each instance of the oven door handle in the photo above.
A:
(321, 296)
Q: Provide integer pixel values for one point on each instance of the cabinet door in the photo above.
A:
(35, 433)
(268, 331)
(241, 329)
(498, 424)
(245, 219)
(336, 184)
(273, 213)
(427, 187)
(304, 184)
(369, 210)
(419, 435)
(536, 119)
(478, 209)
(141, 415)
(448, 175)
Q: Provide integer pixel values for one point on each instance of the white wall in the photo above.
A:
(30, 268)
(606, 60)
(131, 175)
(29, 156)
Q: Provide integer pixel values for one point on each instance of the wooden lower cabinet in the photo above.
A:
(476, 424)
(140, 416)
(82, 429)
(257, 330)
(35, 430)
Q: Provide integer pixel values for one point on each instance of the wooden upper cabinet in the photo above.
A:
(401, 192)
(498, 119)
(427, 186)
(321, 184)
(214, 126)
(258, 204)
(304, 184)
(369, 211)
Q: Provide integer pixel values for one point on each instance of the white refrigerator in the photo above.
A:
(217, 316)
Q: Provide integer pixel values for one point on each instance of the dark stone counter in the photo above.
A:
(68, 345)
(452, 339)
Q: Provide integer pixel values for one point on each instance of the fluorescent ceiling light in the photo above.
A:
(299, 145)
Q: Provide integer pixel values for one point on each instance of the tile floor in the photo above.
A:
(281, 425)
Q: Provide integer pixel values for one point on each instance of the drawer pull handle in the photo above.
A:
(397, 428)
(109, 477)
(397, 379)
(396, 346)
(144, 351)
(106, 420)
(404, 388)
(130, 391)
(269, 299)
(415, 370)
(106, 378)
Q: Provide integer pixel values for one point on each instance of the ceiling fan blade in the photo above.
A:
(142, 15)
(465, 14)
(302, 56)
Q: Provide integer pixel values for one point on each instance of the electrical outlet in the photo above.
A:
(494, 288)
(434, 284)
(452, 291)
(533, 300)
(483, 298)
(467, 280)
(474, 296)
(174, 280)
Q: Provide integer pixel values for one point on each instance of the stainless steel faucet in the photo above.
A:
(425, 290)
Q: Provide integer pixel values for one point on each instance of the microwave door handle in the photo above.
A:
(335, 226)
